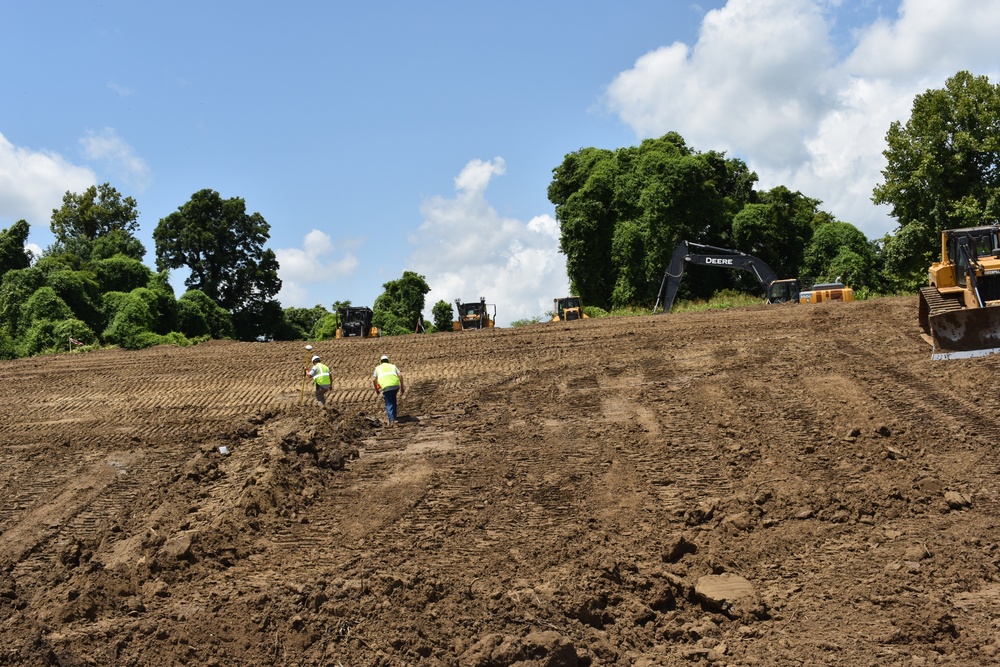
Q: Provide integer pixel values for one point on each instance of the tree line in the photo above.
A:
(622, 212)
(90, 287)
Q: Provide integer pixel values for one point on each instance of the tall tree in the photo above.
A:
(621, 213)
(99, 217)
(223, 246)
(777, 229)
(12, 252)
(943, 168)
(839, 249)
(400, 305)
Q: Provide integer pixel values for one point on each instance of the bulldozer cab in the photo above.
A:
(966, 248)
(356, 322)
(567, 308)
(474, 315)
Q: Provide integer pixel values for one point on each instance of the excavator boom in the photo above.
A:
(777, 291)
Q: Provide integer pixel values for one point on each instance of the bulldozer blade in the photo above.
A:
(965, 333)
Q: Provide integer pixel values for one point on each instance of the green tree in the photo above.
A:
(777, 229)
(305, 319)
(16, 288)
(130, 319)
(942, 170)
(121, 273)
(325, 327)
(199, 316)
(80, 292)
(443, 316)
(621, 213)
(223, 246)
(99, 213)
(396, 310)
(44, 304)
(12, 253)
(840, 249)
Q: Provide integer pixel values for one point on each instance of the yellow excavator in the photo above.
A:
(820, 292)
(959, 309)
(568, 308)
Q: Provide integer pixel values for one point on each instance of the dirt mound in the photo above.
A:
(792, 485)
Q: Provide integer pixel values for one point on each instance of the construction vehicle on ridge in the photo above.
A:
(356, 322)
(474, 315)
(775, 291)
(959, 310)
(568, 308)
(820, 292)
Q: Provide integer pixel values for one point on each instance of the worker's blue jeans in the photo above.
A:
(389, 395)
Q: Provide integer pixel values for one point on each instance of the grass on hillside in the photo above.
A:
(719, 301)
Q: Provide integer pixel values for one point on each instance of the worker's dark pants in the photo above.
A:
(389, 395)
(321, 392)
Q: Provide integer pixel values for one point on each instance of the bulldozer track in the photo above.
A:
(938, 303)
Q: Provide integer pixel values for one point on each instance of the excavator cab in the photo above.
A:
(959, 310)
(568, 308)
(783, 291)
(356, 322)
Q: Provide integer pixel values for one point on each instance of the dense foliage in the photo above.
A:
(622, 213)
(443, 316)
(398, 309)
(223, 246)
(942, 172)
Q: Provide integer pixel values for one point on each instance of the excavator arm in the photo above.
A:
(706, 255)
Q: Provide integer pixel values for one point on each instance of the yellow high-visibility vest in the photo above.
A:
(388, 375)
(322, 378)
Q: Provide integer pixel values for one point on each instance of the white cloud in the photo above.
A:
(466, 250)
(763, 83)
(32, 183)
(312, 264)
(120, 90)
(114, 152)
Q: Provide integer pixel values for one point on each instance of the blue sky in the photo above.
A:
(381, 137)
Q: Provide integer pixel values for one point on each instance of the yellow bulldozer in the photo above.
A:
(959, 309)
(474, 315)
(567, 308)
(356, 322)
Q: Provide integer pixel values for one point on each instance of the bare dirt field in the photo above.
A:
(780, 485)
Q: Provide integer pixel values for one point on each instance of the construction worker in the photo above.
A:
(388, 380)
(320, 373)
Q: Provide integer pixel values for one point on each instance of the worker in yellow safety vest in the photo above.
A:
(320, 373)
(388, 380)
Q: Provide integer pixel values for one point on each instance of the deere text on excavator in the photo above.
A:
(356, 322)
(474, 315)
(568, 308)
(960, 307)
(775, 290)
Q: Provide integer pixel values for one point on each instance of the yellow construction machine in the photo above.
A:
(356, 322)
(835, 291)
(474, 315)
(960, 307)
(568, 308)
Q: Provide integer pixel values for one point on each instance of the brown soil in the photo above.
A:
(781, 485)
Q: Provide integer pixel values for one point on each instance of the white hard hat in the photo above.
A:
(385, 357)
(315, 359)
